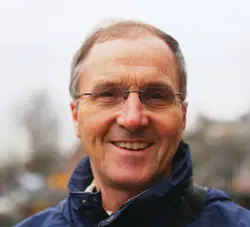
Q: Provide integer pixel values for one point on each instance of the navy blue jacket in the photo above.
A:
(153, 208)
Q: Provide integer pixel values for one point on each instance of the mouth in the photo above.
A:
(134, 146)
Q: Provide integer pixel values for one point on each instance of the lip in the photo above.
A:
(133, 152)
(132, 141)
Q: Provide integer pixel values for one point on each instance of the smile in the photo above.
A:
(132, 145)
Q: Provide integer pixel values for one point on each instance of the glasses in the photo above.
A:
(150, 97)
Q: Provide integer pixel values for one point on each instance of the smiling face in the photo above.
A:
(129, 145)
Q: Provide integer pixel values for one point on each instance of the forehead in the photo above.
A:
(130, 62)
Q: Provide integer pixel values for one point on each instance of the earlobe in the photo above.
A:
(77, 132)
(73, 107)
(185, 106)
(74, 112)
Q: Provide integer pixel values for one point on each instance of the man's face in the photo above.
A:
(129, 145)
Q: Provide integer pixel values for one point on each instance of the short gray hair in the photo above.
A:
(126, 29)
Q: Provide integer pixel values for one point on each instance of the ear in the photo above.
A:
(75, 117)
(185, 107)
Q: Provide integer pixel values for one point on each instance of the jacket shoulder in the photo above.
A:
(50, 217)
(221, 211)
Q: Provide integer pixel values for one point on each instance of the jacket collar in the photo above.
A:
(163, 197)
(81, 177)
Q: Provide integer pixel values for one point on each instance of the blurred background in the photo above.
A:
(38, 148)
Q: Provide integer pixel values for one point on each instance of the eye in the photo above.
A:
(156, 94)
(108, 94)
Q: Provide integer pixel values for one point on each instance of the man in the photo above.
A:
(128, 86)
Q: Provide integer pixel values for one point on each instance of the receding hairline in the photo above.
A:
(142, 38)
(129, 30)
(131, 33)
(164, 67)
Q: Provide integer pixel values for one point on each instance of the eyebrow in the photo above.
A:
(106, 84)
(114, 84)
(159, 84)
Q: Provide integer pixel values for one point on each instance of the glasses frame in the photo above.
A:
(127, 92)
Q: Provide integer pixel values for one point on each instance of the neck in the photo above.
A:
(113, 198)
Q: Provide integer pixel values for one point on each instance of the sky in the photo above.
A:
(39, 37)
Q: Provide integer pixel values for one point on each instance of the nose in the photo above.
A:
(132, 114)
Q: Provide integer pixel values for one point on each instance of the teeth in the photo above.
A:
(136, 146)
(143, 145)
(132, 146)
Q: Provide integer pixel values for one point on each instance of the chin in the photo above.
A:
(130, 179)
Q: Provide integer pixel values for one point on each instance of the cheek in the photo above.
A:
(93, 124)
(169, 129)
(169, 126)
